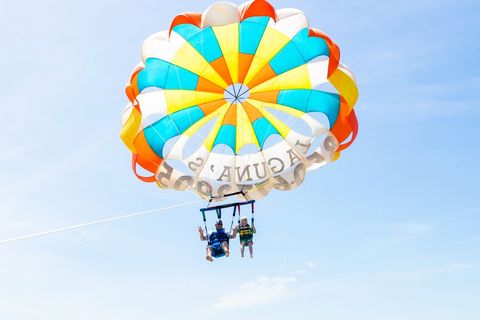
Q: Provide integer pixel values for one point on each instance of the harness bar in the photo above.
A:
(228, 205)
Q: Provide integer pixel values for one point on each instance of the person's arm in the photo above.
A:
(253, 229)
(234, 233)
(202, 235)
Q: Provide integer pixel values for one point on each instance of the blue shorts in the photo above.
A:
(217, 250)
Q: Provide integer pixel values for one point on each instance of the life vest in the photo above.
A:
(245, 232)
(217, 236)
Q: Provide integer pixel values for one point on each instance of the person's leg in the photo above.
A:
(209, 254)
(225, 248)
(242, 248)
(250, 248)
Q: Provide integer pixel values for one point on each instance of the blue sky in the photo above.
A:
(391, 230)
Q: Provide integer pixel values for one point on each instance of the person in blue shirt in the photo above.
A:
(217, 241)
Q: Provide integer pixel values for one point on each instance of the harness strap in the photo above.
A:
(239, 215)
(253, 212)
(233, 219)
(205, 225)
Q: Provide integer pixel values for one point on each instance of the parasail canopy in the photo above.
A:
(238, 98)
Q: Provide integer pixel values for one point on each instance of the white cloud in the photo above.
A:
(307, 265)
(264, 290)
(472, 210)
(311, 264)
(396, 235)
(434, 271)
(415, 228)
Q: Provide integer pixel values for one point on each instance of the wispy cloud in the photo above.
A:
(414, 228)
(67, 163)
(307, 265)
(433, 271)
(263, 290)
(472, 210)
(436, 98)
(395, 235)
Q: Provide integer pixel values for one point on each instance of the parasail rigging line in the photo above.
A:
(91, 223)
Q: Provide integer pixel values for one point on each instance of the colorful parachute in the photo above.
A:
(239, 98)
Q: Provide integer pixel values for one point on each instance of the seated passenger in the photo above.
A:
(217, 241)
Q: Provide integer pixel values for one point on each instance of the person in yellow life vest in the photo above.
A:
(246, 236)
